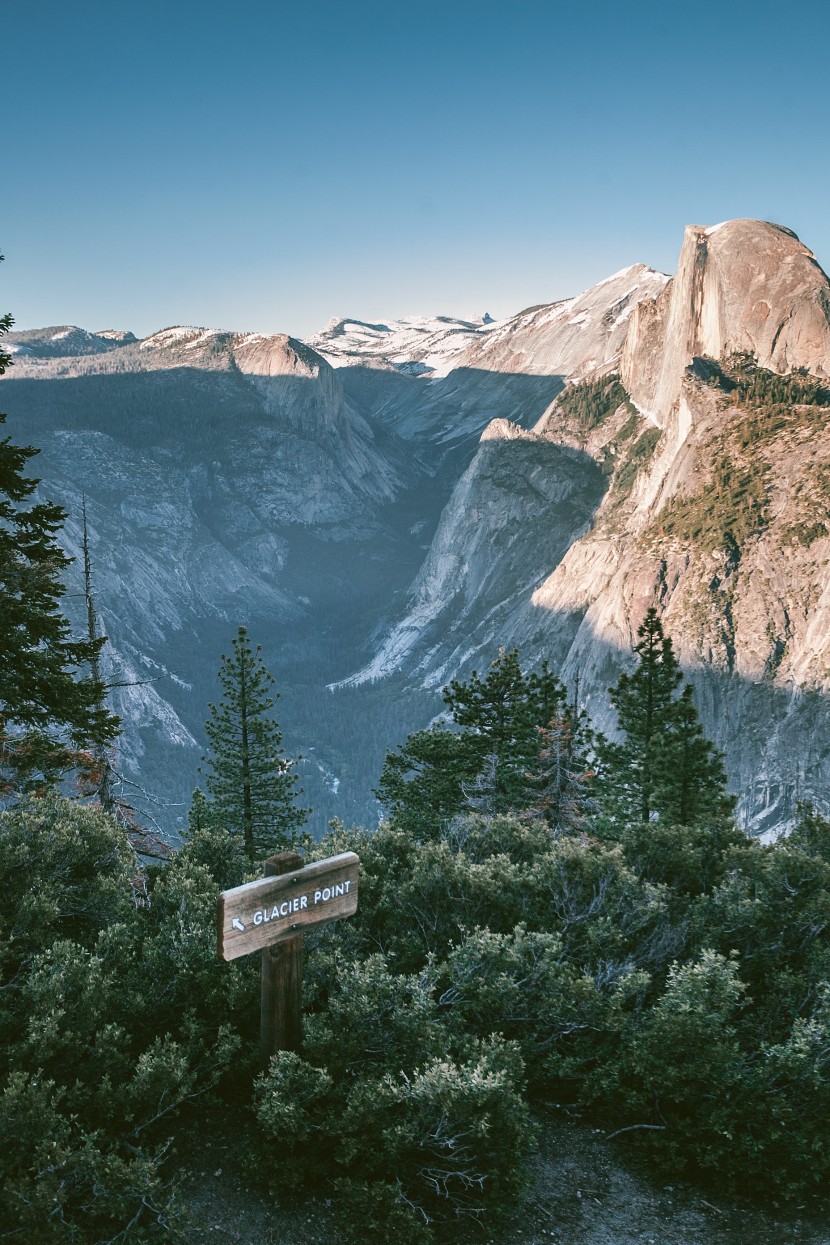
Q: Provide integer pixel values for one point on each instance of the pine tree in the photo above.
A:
(643, 701)
(487, 764)
(691, 780)
(52, 715)
(502, 713)
(423, 782)
(102, 774)
(664, 767)
(563, 780)
(248, 776)
(199, 816)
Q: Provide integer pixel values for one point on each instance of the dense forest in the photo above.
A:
(544, 915)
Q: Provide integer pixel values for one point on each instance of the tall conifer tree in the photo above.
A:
(248, 776)
(52, 713)
(691, 780)
(665, 766)
(491, 762)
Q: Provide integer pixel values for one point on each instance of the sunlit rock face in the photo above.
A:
(489, 553)
(745, 285)
(571, 337)
(751, 626)
(387, 504)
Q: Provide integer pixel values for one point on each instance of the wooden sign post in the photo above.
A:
(270, 916)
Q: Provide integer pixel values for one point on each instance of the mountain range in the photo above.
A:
(387, 504)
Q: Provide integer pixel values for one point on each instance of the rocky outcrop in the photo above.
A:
(571, 337)
(751, 618)
(745, 285)
(487, 558)
(304, 393)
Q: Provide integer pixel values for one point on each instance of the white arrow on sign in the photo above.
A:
(237, 924)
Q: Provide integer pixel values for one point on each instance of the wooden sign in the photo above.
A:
(261, 913)
(271, 915)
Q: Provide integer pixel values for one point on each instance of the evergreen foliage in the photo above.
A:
(52, 716)
(114, 1013)
(649, 973)
(732, 508)
(248, 776)
(624, 446)
(590, 403)
(740, 376)
(691, 779)
(490, 760)
(734, 505)
(664, 767)
(665, 979)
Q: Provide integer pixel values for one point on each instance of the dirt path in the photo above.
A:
(582, 1193)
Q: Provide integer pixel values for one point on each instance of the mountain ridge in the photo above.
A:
(387, 503)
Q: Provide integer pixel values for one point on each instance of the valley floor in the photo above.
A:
(581, 1193)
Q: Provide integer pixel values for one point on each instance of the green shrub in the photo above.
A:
(673, 980)
(114, 1013)
(65, 872)
(522, 987)
(590, 402)
(679, 1067)
(422, 1149)
(61, 1183)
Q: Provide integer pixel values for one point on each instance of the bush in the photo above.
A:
(114, 1013)
(665, 977)
(61, 1183)
(65, 872)
(669, 979)
(679, 1066)
(423, 1148)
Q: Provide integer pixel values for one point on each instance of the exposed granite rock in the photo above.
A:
(750, 623)
(428, 499)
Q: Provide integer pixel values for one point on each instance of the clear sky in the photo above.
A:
(268, 165)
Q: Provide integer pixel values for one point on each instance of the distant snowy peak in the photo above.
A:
(182, 336)
(566, 338)
(573, 335)
(118, 337)
(60, 341)
(570, 337)
(417, 345)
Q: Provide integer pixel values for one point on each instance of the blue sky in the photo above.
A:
(271, 165)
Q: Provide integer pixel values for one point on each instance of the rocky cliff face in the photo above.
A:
(487, 556)
(241, 478)
(712, 508)
(228, 480)
(745, 285)
(578, 335)
(386, 506)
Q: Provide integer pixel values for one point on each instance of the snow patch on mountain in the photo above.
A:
(65, 341)
(172, 336)
(418, 345)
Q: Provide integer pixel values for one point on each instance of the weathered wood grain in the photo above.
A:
(281, 1022)
(262, 913)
